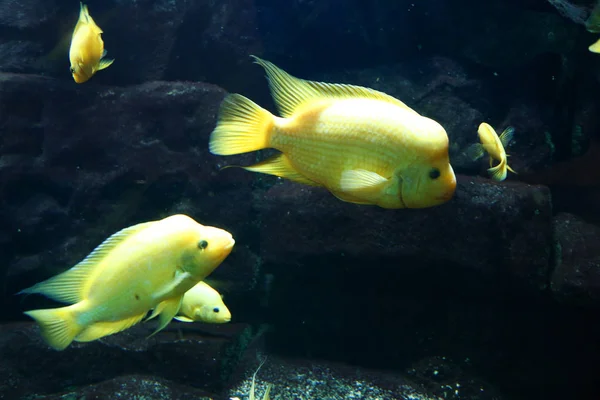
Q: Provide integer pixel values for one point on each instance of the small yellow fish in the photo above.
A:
(364, 146)
(146, 266)
(495, 147)
(595, 48)
(203, 303)
(87, 48)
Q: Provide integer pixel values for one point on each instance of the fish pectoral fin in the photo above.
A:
(474, 152)
(506, 136)
(183, 319)
(358, 181)
(290, 92)
(101, 329)
(279, 165)
(105, 63)
(169, 310)
(69, 286)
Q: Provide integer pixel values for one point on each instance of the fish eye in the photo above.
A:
(216, 309)
(434, 173)
(202, 244)
(72, 70)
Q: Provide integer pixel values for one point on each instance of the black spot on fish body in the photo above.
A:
(434, 173)
(137, 296)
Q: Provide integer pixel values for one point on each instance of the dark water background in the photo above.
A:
(498, 289)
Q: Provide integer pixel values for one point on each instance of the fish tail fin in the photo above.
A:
(242, 126)
(498, 172)
(57, 325)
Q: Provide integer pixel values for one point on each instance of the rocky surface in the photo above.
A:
(150, 40)
(181, 361)
(576, 278)
(188, 361)
(489, 227)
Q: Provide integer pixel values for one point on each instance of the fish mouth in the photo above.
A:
(229, 245)
(446, 196)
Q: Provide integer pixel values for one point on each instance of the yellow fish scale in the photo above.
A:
(330, 137)
(134, 276)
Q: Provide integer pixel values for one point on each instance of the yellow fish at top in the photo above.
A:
(364, 146)
(494, 145)
(87, 48)
(146, 266)
(204, 304)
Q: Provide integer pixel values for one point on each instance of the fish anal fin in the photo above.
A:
(280, 165)
(359, 181)
(290, 92)
(506, 136)
(105, 63)
(101, 329)
(169, 310)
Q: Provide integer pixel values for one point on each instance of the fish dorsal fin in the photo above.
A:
(69, 286)
(290, 92)
(84, 14)
(506, 136)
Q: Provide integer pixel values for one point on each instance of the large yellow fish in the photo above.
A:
(203, 303)
(364, 146)
(146, 266)
(87, 48)
(495, 147)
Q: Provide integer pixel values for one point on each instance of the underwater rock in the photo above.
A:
(576, 277)
(182, 360)
(179, 40)
(132, 387)
(488, 227)
(80, 162)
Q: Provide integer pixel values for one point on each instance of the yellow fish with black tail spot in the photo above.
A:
(204, 304)
(87, 48)
(495, 146)
(364, 146)
(146, 266)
